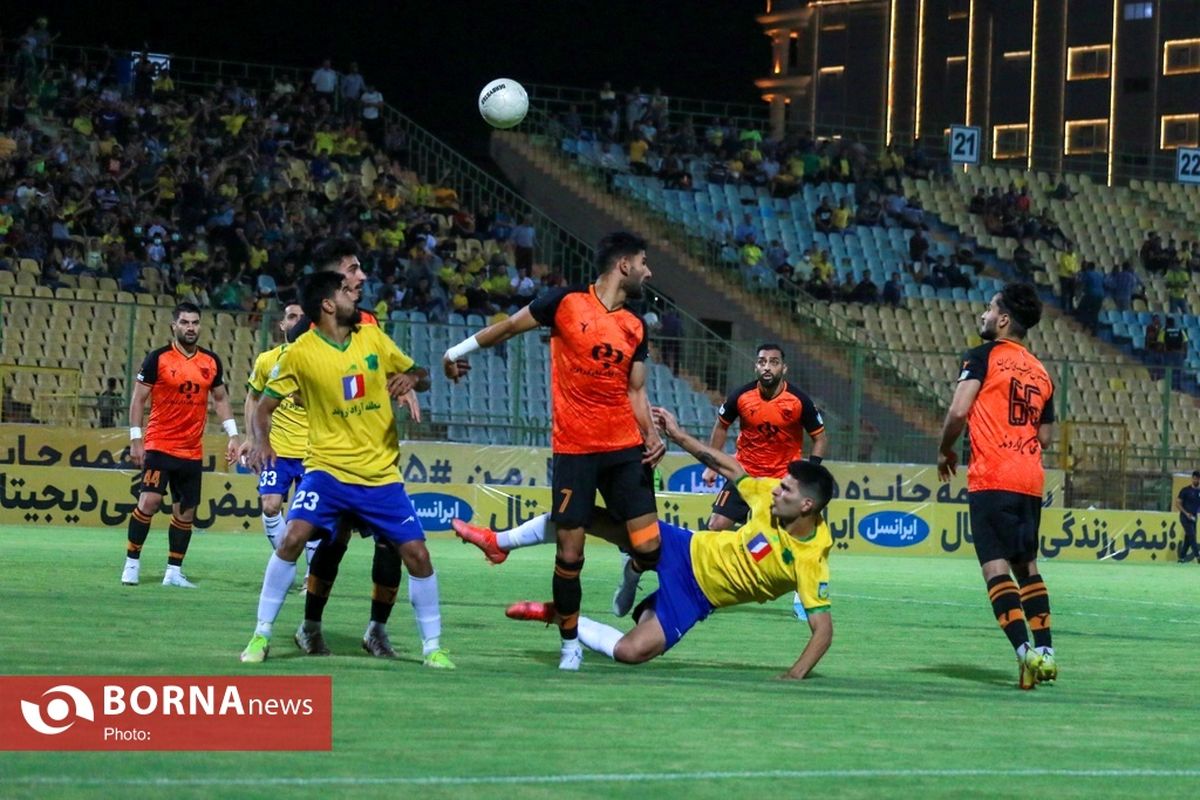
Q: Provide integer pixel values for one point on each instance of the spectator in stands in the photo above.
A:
(967, 257)
(751, 254)
(978, 203)
(893, 291)
(325, 81)
(1062, 191)
(1049, 229)
(352, 86)
(1023, 261)
(1123, 284)
(842, 215)
(524, 238)
(109, 404)
(918, 246)
(823, 216)
(1091, 296)
(955, 277)
(913, 215)
(865, 291)
(371, 100)
(745, 230)
(870, 212)
(1153, 255)
(1153, 329)
(639, 146)
(1174, 340)
(1068, 272)
(1179, 281)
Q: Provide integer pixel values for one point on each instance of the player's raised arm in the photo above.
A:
(821, 625)
(723, 464)
(454, 362)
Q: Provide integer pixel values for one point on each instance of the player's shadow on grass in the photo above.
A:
(968, 672)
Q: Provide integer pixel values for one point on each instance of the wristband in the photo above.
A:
(135, 432)
(230, 427)
(815, 459)
(462, 349)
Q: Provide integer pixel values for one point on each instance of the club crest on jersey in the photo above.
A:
(353, 387)
(759, 547)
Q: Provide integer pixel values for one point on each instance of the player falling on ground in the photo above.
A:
(341, 256)
(177, 379)
(1006, 400)
(783, 548)
(340, 371)
(773, 416)
(603, 436)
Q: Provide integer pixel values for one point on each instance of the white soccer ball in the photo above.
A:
(503, 103)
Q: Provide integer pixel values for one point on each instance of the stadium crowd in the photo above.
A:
(112, 175)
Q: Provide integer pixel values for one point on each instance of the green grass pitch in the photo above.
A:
(916, 698)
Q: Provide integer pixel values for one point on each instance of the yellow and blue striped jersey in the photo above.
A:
(761, 561)
(351, 424)
(289, 423)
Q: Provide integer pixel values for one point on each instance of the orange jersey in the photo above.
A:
(592, 351)
(1016, 397)
(179, 386)
(772, 431)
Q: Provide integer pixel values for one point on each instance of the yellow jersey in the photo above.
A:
(351, 424)
(761, 561)
(289, 423)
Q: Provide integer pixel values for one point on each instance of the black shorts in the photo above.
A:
(181, 475)
(625, 483)
(730, 504)
(1005, 525)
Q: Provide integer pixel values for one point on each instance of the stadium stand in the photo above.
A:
(122, 199)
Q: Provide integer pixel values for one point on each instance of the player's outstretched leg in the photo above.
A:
(496, 545)
(277, 580)
(641, 644)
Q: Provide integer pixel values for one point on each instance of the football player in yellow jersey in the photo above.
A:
(340, 372)
(782, 548)
(289, 436)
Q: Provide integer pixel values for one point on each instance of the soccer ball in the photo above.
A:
(503, 103)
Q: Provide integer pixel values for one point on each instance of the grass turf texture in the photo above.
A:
(916, 697)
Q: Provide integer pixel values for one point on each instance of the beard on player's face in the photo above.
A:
(187, 337)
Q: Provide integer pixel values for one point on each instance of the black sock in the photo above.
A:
(1006, 605)
(179, 536)
(1036, 602)
(385, 574)
(568, 594)
(322, 572)
(139, 529)
(646, 562)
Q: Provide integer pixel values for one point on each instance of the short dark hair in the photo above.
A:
(184, 308)
(770, 346)
(1196, 473)
(1023, 306)
(617, 245)
(815, 481)
(319, 287)
(329, 255)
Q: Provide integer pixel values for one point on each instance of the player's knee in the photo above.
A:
(271, 504)
(415, 556)
(630, 651)
(569, 549)
(293, 542)
(150, 503)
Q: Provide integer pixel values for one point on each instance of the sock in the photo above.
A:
(277, 580)
(567, 594)
(385, 574)
(274, 528)
(1006, 605)
(139, 529)
(645, 562)
(423, 594)
(322, 572)
(179, 536)
(1036, 602)
(599, 637)
(535, 531)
